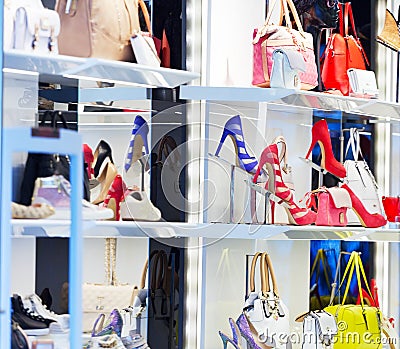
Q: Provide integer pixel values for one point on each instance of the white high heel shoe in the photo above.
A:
(138, 207)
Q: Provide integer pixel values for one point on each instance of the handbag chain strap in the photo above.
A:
(110, 259)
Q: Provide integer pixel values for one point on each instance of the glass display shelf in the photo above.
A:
(96, 69)
(60, 228)
(372, 108)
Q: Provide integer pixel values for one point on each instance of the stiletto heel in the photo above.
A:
(138, 140)
(106, 178)
(368, 220)
(102, 152)
(272, 203)
(115, 196)
(235, 336)
(296, 215)
(320, 135)
(233, 129)
(248, 332)
(225, 340)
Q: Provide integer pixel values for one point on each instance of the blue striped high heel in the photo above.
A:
(138, 140)
(233, 129)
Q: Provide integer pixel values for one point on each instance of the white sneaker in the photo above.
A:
(34, 303)
(138, 207)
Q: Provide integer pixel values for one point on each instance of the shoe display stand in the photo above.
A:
(265, 114)
(22, 72)
(40, 142)
(219, 243)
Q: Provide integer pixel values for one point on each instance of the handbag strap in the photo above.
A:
(253, 271)
(110, 259)
(146, 15)
(166, 147)
(286, 5)
(268, 272)
(319, 259)
(53, 115)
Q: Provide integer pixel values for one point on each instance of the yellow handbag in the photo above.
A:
(359, 326)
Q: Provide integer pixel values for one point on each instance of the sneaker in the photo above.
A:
(138, 207)
(61, 322)
(56, 190)
(32, 324)
(135, 341)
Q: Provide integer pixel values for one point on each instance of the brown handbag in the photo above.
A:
(101, 29)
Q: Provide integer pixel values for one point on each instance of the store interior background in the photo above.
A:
(226, 60)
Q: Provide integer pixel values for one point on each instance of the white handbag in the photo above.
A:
(144, 49)
(362, 82)
(265, 309)
(360, 179)
(286, 66)
(103, 298)
(319, 328)
(36, 30)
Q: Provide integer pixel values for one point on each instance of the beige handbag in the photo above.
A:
(103, 298)
(102, 29)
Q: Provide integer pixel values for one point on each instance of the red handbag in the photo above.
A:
(391, 205)
(343, 51)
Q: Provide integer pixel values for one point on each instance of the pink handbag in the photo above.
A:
(271, 36)
(332, 206)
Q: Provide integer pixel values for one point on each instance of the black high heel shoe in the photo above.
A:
(102, 152)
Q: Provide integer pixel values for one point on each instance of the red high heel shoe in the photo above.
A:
(320, 134)
(368, 220)
(115, 195)
(270, 159)
(89, 158)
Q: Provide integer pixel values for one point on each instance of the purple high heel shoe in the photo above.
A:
(248, 332)
(114, 324)
(138, 141)
(234, 341)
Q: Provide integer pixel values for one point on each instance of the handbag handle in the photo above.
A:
(320, 258)
(296, 18)
(52, 115)
(146, 15)
(346, 13)
(355, 263)
(253, 270)
(268, 272)
(166, 141)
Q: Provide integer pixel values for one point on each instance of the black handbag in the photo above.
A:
(19, 339)
(45, 165)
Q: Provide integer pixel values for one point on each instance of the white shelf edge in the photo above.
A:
(94, 69)
(374, 108)
(55, 228)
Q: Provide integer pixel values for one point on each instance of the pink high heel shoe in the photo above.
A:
(270, 161)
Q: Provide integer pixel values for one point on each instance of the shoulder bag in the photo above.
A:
(360, 179)
(102, 298)
(359, 326)
(319, 328)
(265, 309)
(343, 51)
(271, 36)
(333, 205)
(101, 29)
